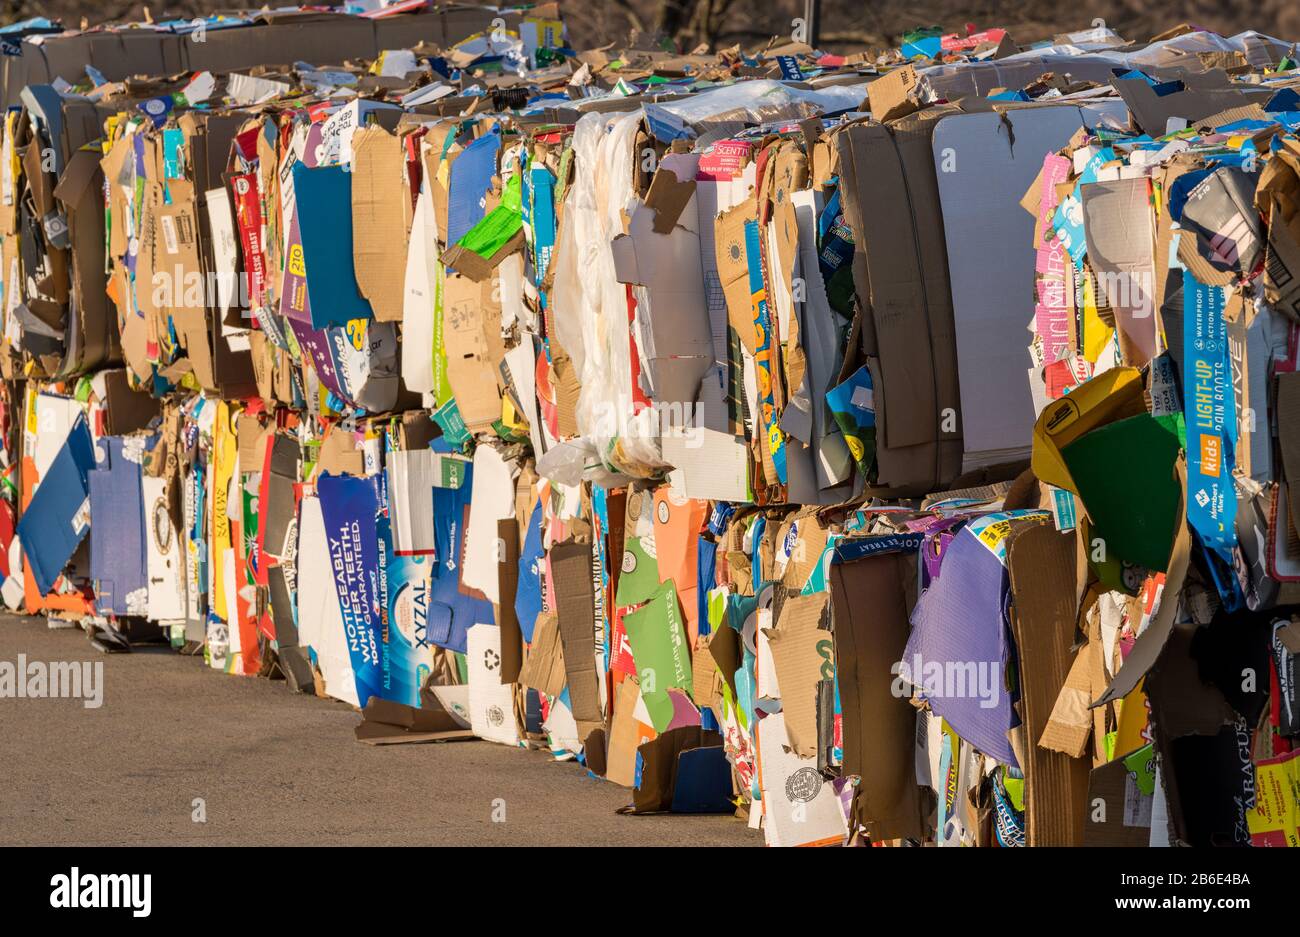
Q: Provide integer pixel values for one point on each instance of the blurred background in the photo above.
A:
(845, 23)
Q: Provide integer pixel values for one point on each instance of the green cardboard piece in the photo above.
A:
(1125, 475)
(638, 576)
(661, 652)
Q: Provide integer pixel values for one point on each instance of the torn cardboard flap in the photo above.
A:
(672, 320)
(575, 612)
(543, 667)
(733, 269)
(803, 654)
(1040, 564)
(892, 95)
(474, 347)
(381, 219)
(671, 191)
(469, 264)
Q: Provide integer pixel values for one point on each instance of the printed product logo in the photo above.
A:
(162, 526)
(803, 786)
(411, 613)
(491, 659)
(356, 329)
(1211, 454)
(289, 561)
(1067, 412)
(495, 716)
(663, 512)
(629, 561)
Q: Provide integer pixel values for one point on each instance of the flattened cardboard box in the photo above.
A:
(543, 668)
(1041, 564)
(127, 410)
(576, 610)
(801, 652)
(93, 341)
(386, 723)
(871, 630)
(474, 347)
(900, 275)
(381, 220)
(890, 96)
(512, 639)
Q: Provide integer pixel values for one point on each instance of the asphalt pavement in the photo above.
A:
(180, 754)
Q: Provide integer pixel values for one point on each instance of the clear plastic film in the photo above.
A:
(590, 305)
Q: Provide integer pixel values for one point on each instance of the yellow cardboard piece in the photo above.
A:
(1110, 396)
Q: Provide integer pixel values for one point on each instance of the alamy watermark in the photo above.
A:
(79, 889)
(949, 679)
(65, 679)
(662, 419)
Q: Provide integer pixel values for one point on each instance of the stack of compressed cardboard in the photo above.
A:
(670, 412)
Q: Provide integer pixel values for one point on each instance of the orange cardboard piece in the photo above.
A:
(677, 525)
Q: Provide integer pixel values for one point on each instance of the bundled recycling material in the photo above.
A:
(886, 449)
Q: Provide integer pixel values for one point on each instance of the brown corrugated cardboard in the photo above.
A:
(891, 95)
(900, 275)
(543, 668)
(624, 735)
(512, 639)
(127, 410)
(803, 656)
(1278, 200)
(469, 264)
(733, 269)
(387, 723)
(92, 340)
(339, 454)
(472, 338)
(1182, 703)
(659, 761)
(871, 627)
(1112, 818)
(381, 219)
(576, 611)
(1040, 562)
(1152, 111)
(706, 680)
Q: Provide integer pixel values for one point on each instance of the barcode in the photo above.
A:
(169, 233)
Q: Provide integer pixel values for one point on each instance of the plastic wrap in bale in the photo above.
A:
(590, 305)
(759, 102)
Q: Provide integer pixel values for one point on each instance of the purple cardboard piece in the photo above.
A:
(118, 550)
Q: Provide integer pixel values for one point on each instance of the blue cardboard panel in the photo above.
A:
(467, 188)
(324, 200)
(118, 548)
(58, 518)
